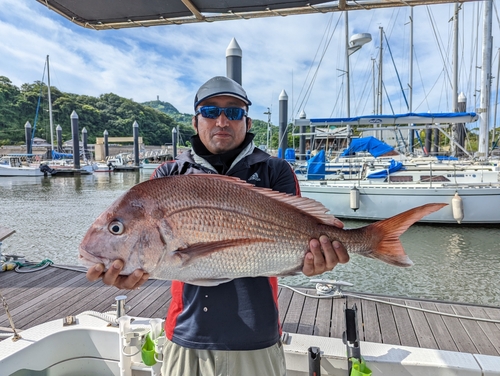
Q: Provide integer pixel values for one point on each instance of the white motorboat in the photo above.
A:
(87, 344)
(11, 165)
(103, 167)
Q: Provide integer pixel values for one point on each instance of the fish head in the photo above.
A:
(128, 230)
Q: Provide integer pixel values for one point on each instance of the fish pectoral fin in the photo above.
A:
(197, 250)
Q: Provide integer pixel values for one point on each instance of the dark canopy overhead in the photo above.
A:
(115, 14)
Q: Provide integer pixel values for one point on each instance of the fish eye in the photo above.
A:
(116, 228)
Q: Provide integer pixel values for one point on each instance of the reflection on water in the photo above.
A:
(51, 215)
(453, 263)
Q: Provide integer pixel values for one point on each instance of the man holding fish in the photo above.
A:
(227, 327)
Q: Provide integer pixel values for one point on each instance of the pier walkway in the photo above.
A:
(56, 292)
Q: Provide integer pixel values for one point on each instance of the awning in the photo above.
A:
(116, 14)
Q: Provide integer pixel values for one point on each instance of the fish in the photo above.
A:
(206, 229)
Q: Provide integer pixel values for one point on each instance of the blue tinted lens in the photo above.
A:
(234, 113)
(213, 112)
(210, 112)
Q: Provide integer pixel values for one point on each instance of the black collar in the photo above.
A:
(221, 162)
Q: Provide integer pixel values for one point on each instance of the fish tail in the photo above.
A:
(389, 248)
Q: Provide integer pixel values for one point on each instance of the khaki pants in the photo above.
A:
(181, 361)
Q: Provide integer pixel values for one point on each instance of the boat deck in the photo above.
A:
(56, 292)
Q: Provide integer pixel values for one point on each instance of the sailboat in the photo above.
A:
(471, 187)
(62, 164)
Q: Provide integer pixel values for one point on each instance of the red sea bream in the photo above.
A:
(209, 229)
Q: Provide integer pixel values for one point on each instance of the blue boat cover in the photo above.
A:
(316, 166)
(290, 155)
(370, 144)
(446, 158)
(393, 167)
(56, 155)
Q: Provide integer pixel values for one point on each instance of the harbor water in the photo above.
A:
(453, 263)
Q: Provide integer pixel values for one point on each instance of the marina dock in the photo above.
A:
(59, 291)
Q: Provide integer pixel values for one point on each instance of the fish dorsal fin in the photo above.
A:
(305, 205)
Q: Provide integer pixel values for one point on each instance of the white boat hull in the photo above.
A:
(150, 166)
(91, 347)
(380, 201)
(20, 171)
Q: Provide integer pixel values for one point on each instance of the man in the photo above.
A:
(232, 328)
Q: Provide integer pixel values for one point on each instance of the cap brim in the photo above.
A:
(244, 100)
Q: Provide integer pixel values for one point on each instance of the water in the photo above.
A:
(455, 263)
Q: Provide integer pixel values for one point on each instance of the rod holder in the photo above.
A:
(314, 355)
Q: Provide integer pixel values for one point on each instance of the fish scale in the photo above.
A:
(209, 229)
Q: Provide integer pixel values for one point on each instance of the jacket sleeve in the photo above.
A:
(165, 169)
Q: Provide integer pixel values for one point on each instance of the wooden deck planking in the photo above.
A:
(307, 321)
(476, 332)
(292, 317)
(423, 330)
(284, 299)
(323, 318)
(23, 283)
(388, 329)
(338, 318)
(440, 332)
(492, 330)
(38, 296)
(54, 293)
(370, 322)
(457, 331)
(406, 334)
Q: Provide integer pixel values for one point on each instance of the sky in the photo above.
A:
(302, 55)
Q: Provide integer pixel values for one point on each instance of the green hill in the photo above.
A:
(108, 112)
(170, 110)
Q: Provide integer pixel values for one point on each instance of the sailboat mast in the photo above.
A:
(485, 81)
(348, 83)
(455, 61)
(411, 133)
(454, 86)
(50, 108)
(496, 104)
(380, 64)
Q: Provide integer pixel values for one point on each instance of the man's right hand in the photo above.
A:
(112, 276)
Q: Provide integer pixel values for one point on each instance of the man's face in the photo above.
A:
(221, 134)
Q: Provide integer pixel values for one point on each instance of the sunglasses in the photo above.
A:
(213, 112)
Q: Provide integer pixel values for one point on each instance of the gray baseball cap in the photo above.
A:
(220, 85)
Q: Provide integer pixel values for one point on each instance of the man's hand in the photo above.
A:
(323, 256)
(111, 276)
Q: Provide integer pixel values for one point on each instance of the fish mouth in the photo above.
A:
(88, 259)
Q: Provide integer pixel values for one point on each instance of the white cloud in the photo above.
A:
(172, 61)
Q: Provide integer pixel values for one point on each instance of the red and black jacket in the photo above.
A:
(241, 314)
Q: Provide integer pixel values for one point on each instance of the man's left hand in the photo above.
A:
(323, 256)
